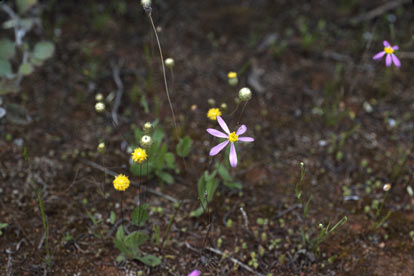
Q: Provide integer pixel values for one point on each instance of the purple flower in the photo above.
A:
(195, 273)
(391, 57)
(231, 137)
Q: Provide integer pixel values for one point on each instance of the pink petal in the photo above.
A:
(223, 125)
(246, 139)
(386, 43)
(217, 133)
(242, 129)
(195, 273)
(218, 148)
(388, 60)
(395, 47)
(233, 156)
(379, 55)
(396, 60)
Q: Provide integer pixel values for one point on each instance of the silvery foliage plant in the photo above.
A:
(18, 56)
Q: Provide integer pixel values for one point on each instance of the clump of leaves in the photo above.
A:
(159, 161)
(207, 186)
(129, 244)
(31, 55)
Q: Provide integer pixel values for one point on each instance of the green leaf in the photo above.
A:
(140, 215)
(112, 217)
(149, 260)
(170, 160)
(184, 146)
(197, 213)
(233, 185)
(24, 5)
(166, 177)
(120, 234)
(7, 49)
(25, 69)
(223, 172)
(43, 50)
(5, 68)
(135, 240)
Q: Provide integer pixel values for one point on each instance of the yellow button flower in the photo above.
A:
(139, 155)
(121, 182)
(232, 75)
(213, 113)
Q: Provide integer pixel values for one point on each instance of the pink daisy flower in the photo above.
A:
(391, 57)
(195, 273)
(231, 137)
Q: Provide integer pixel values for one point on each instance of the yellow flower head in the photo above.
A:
(121, 182)
(139, 155)
(233, 137)
(213, 113)
(389, 50)
(232, 75)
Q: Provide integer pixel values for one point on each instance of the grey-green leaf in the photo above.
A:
(24, 5)
(7, 49)
(5, 68)
(150, 260)
(43, 50)
(25, 69)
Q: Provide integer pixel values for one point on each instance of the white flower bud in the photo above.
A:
(146, 141)
(169, 62)
(245, 94)
(100, 107)
(387, 187)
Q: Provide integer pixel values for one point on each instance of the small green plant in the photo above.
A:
(160, 160)
(129, 244)
(21, 22)
(207, 186)
(324, 232)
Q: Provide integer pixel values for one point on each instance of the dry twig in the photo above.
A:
(389, 5)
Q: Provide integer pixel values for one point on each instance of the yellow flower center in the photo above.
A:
(389, 50)
(233, 137)
(213, 113)
(139, 155)
(232, 75)
(121, 182)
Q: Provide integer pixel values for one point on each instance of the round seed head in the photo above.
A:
(148, 127)
(99, 97)
(146, 141)
(101, 147)
(211, 102)
(169, 62)
(245, 94)
(146, 3)
(223, 106)
(100, 107)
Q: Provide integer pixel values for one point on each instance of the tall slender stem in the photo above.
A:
(163, 70)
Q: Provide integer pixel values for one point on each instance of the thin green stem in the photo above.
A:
(45, 228)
